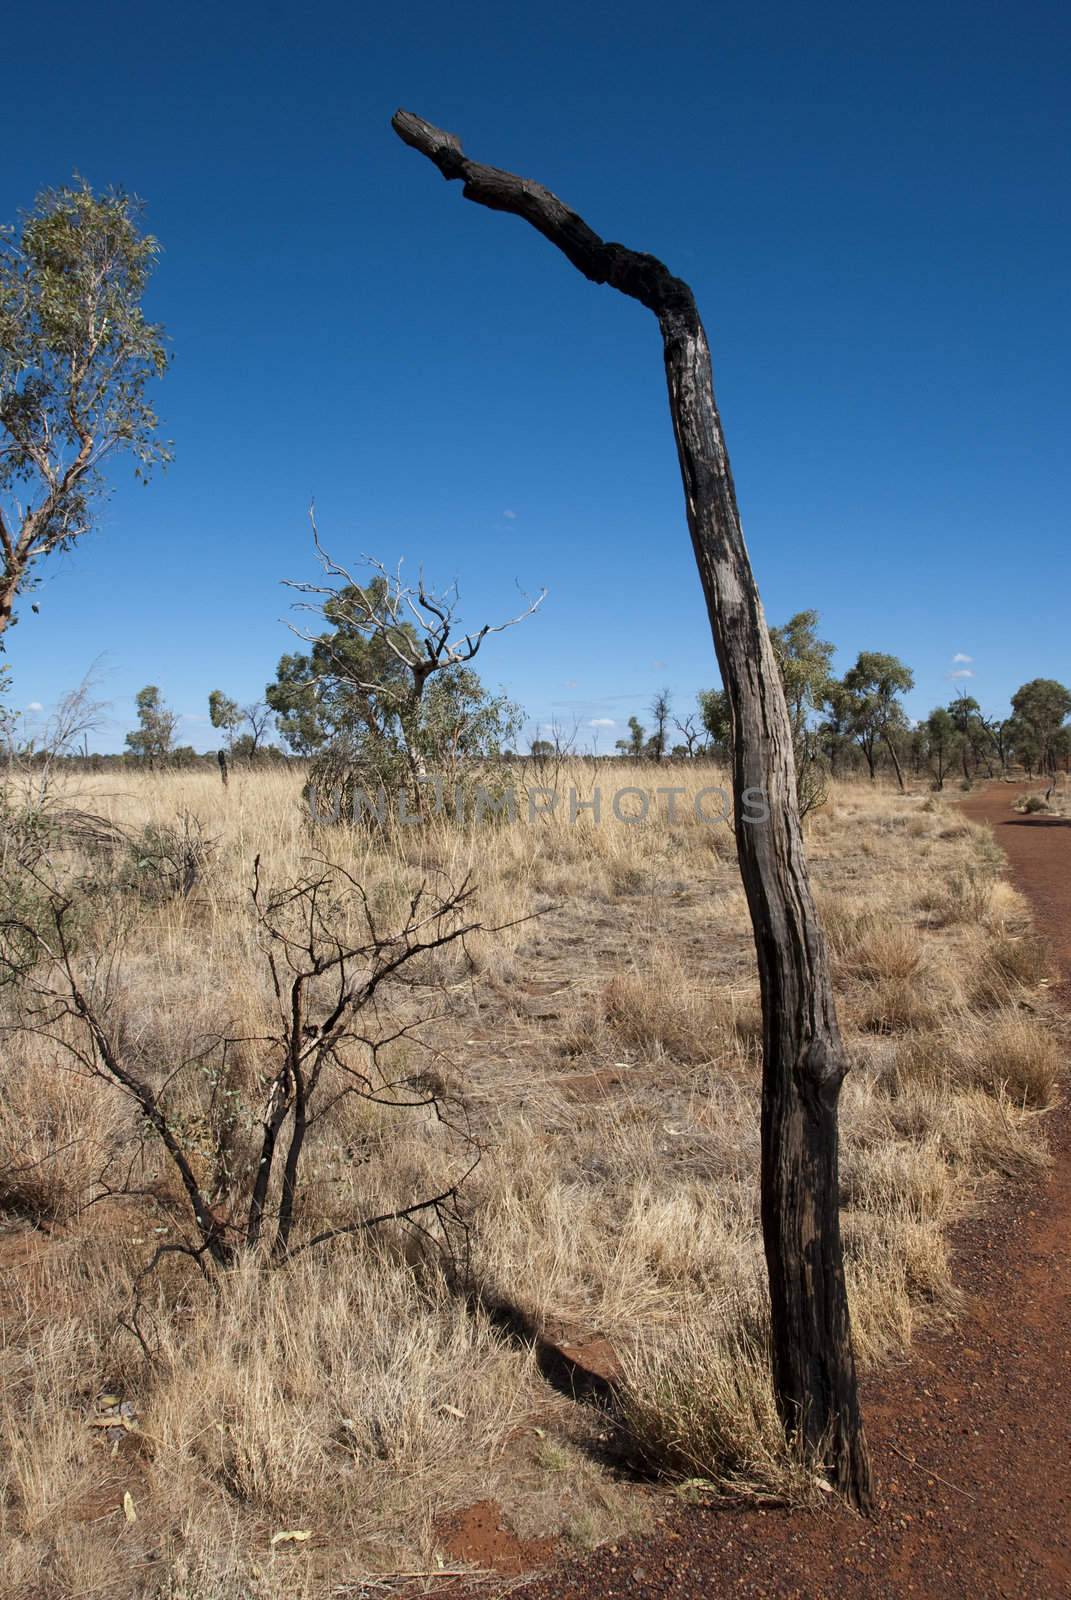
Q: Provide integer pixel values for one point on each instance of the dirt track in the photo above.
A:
(971, 1442)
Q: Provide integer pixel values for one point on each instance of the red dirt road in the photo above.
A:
(971, 1442)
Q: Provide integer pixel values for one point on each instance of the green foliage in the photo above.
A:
(965, 712)
(350, 686)
(805, 663)
(76, 358)
(459, 720)
(153, 741)
(715, 716)
(868, 705)
(632, 748)
(1040, 709)
(943, 736)
(357, 704)
(227, 715)
(223, 712)
(803, 660)
(879, 678)
(450, 736)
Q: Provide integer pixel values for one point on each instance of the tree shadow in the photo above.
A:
(608, 1441)
(568, 1377)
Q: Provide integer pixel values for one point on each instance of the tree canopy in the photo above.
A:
(805, 662)
(154, 738)
(76, 358)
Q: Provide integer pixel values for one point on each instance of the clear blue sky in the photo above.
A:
(871, 203)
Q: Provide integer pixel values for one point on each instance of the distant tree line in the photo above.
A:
(858, 723)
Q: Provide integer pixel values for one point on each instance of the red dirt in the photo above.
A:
(480, 1535)
(971, 1442)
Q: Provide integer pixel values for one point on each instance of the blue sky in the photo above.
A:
(870, 203)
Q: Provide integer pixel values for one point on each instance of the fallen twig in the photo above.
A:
(930, 1473)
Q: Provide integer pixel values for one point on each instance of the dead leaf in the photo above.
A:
(128, 1507)
(292, 1536)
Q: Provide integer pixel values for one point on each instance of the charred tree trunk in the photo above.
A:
(804, 1061)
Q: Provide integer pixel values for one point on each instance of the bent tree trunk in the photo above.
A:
(804, 1063)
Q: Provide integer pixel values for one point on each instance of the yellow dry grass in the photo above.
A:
(604, 1045)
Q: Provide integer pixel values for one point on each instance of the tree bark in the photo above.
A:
(803, 1057)
(891, 747)
(8, 586)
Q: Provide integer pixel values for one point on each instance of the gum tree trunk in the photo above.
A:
(803, 1061)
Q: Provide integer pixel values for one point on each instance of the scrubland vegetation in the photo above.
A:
(594, 1042)
(351, 1175)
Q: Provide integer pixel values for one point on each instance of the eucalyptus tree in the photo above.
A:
(77, 356)
(715, 716)
(875, 712)
(805, 663)
(633, 747)
(228, 716)
(976, 744)
(387, 692)
(942, 740)
(1040, 710)
(224, 714)
(153, 741)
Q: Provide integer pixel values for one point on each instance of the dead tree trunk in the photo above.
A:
(804, 1061)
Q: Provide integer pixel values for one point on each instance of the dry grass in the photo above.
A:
(1052, 799)
(606, 1054)
(1007, 1054)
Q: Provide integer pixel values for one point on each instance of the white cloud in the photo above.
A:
(963, 672)
(602, 722)
(959, 656)
(35, 705)
(512, 515)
